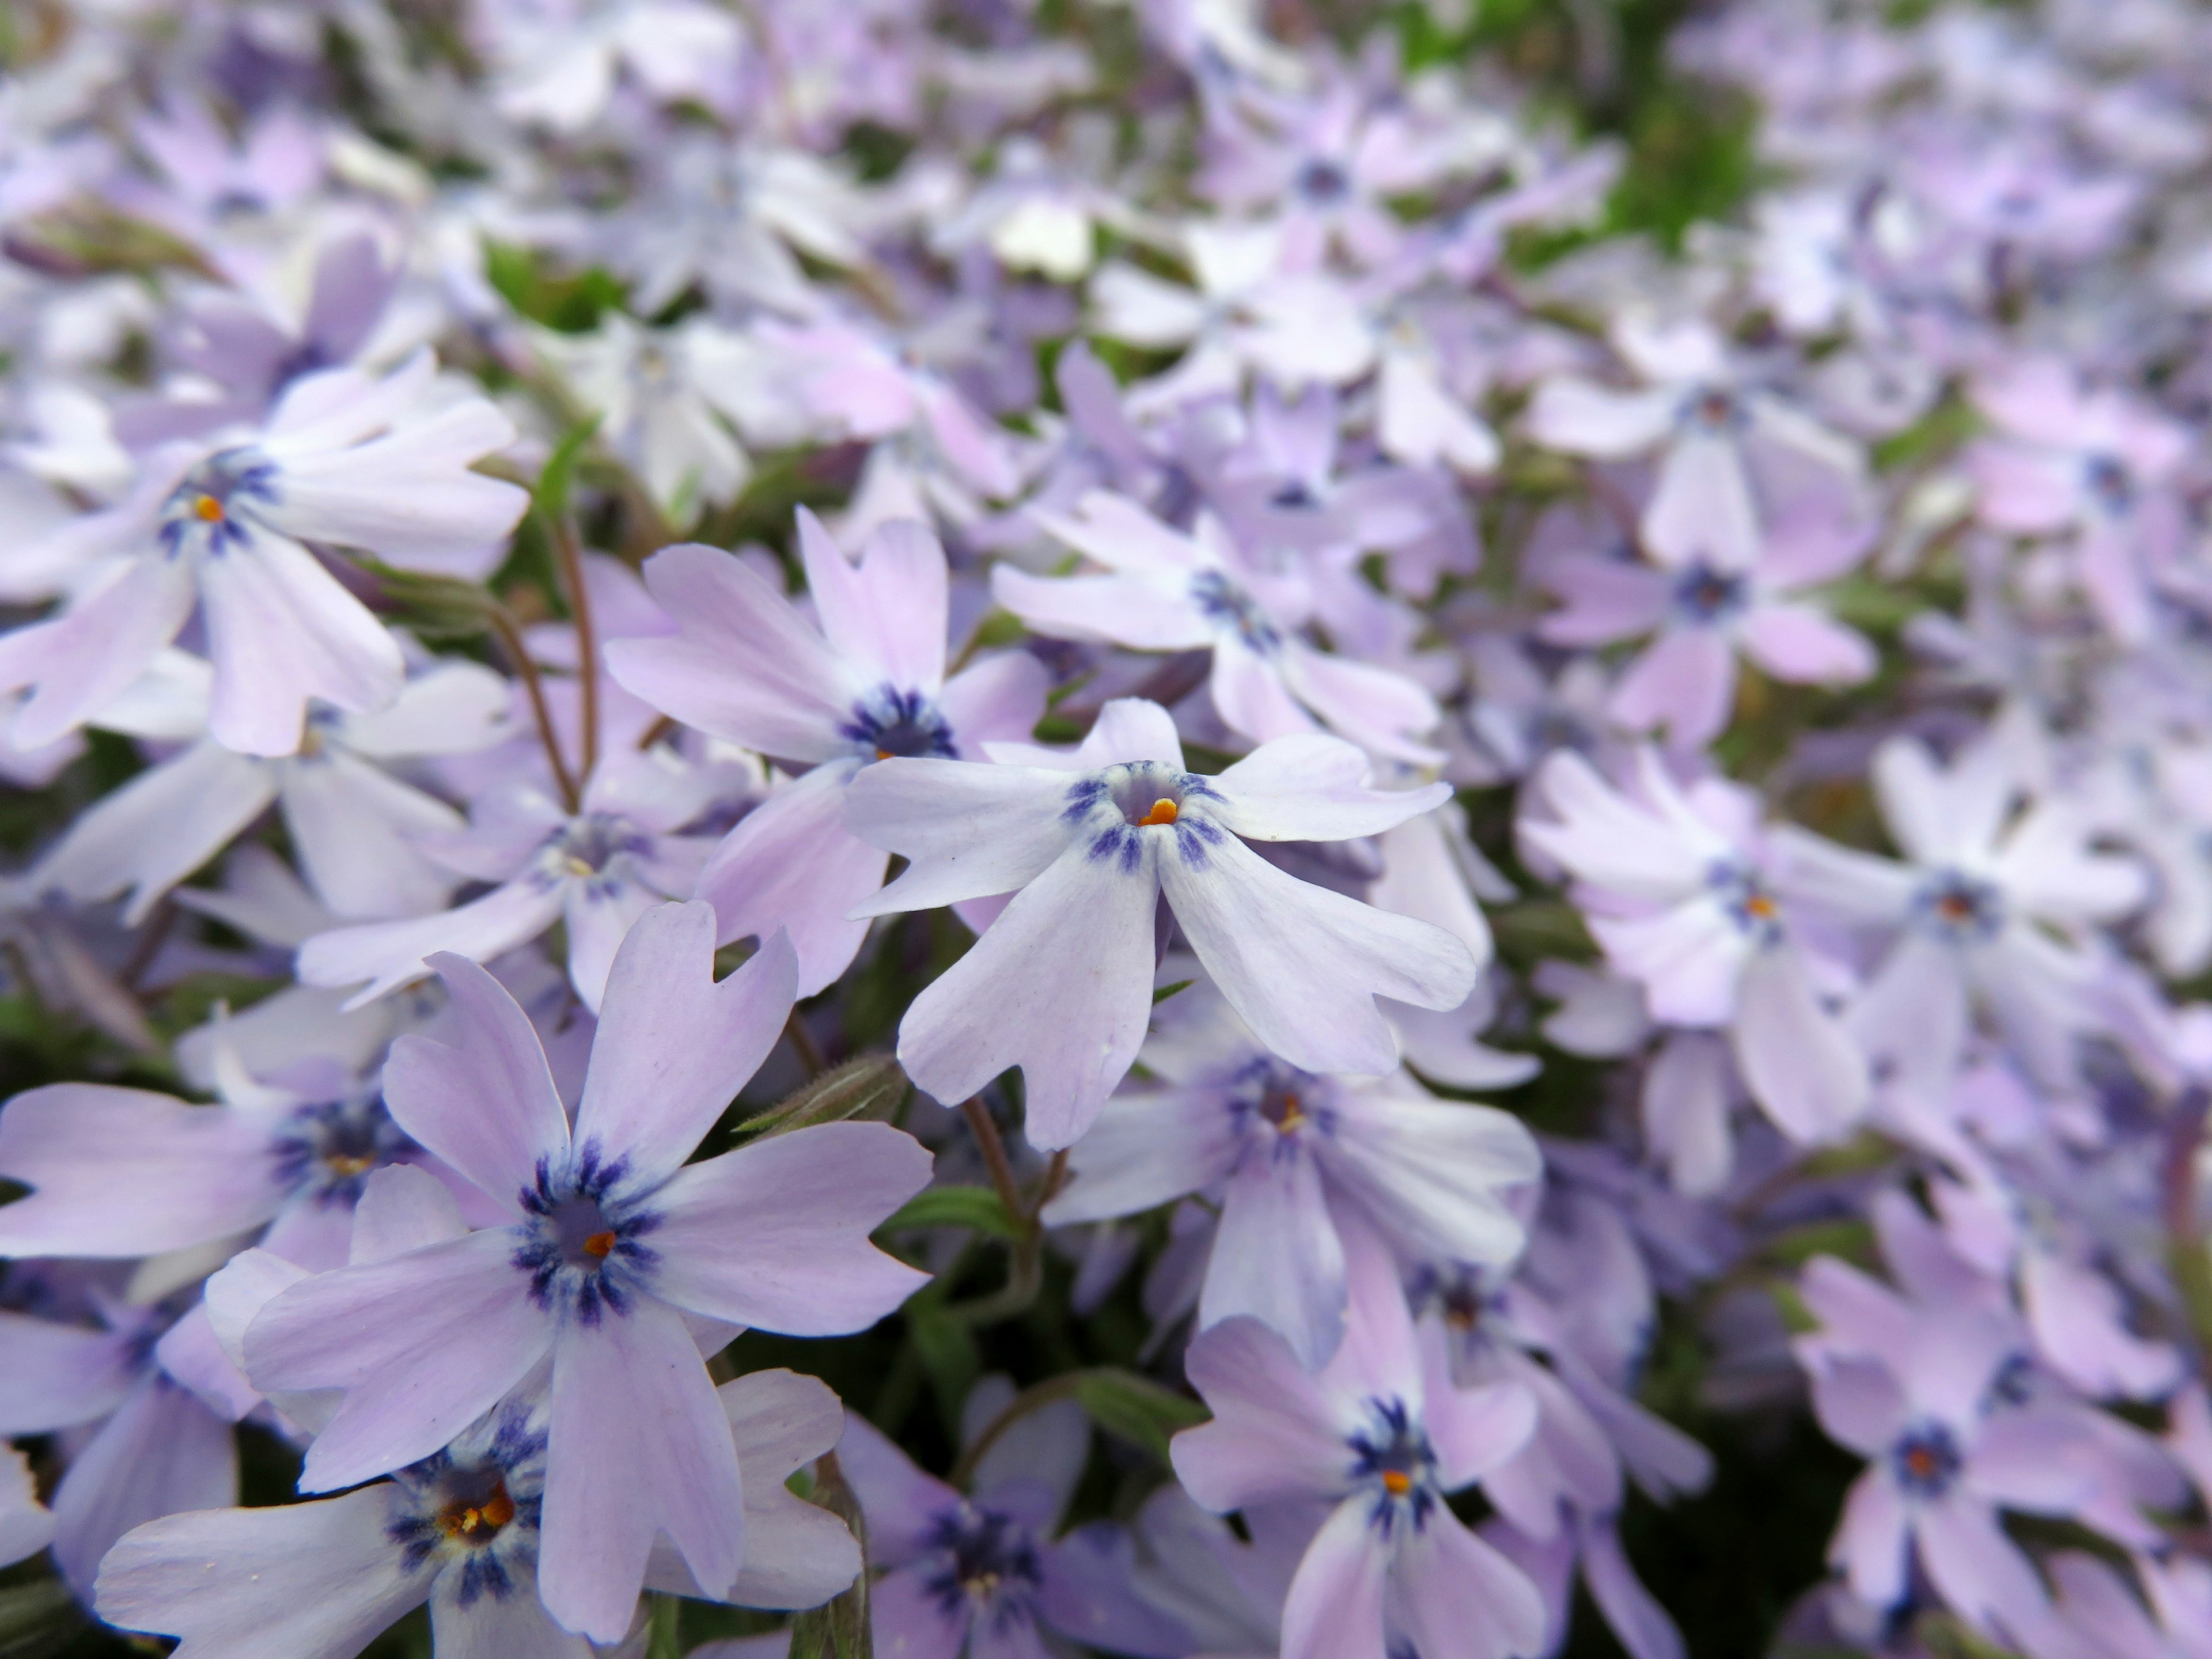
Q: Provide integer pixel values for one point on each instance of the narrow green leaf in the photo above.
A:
(1136, 1408)
(664, 1637)
(977, 1207)
(550, 499)
(433, 608)
(870, 1087)
(1167, 991)
(946, 1345)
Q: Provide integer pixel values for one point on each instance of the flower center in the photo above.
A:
(206, 509)
(1706, 595)
(889, 723)
(1961, 907)
(1926, 1459)
(1737, 888)
(984, 1557)
(327, 1150)
(1394, 1460)
(583, 1245)
(478, 1520)
(1162, 812)
(1227, 606)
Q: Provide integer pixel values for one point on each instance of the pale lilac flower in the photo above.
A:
(1971, 917)
(352, 824)
(596, 870)
(864, 681)
(145, 1444)
(1226, 1591)
(1382, 1436)
(344, 460)
(1675, 884)
(1163, 590)
(616, 1259)
(2091, 462)
(557, 61)
(983, 1574)
(1060, 984)
(1702, 603)
(1283, 1153)
(1592, 1544)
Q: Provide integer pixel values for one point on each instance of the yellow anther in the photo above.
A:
(1163, 812)
(1760, 907)
(1397, 1482)
(206, 509)
(599, 1246)
(576, 867)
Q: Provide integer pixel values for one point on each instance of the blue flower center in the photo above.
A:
(1706, 595)
(1118, 806)
(1926, 1459)
(1960, 908)
(1738, 892)
(890, 722)
(1227, 606)
(2109, 484)
(583, 1245)
(474, 1508)
(986, 1560)
(209, 513)
(327, 1152)
(1394, 1463)
(590, 849)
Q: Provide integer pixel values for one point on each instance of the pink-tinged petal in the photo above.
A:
(1250, 694)
(903, 1504)
(1583, 418)
(1000, 695)
(1145, 1150)
(969, 830)
(1273, 1433)
(1458, 1598)
(1856, 1399)
(1061, 986)
(1855, 885)
(2024, 491)
(779, 1422)
(1688, 959)
(1801, 644)
(80, 662)
(1866, 1315)
(485, 1103)
(1939, 814)
(1602, 600)
(1685, 682)
(304, 1581)
(1334, 1609)
(1146, 612)
(1634, 1613)
(353, 826)
(122, 1172)
(403, 1208)
(1381, 1357)
(192, 1355)
(746, 666)
(59, 1375)
(1799, 1063)
(639, 1445)
(2080, 1326)
(390, 954)
(281, 630)
(1870, 1539)
(908, 1620)
(599, 917)
(674, 1046)
(888, 617)
(1431, 1173)
(1476, 1430)
(1687, 1094)
(775, 1235)
(1277, 1257)
(1701, 511)
(1604, 837)
(975, 448)
(1984, 1576)
(423, 1345)
(161, 1453)
(790, 866)
(2050, 870)
(408, 495)
(1914, 1014)
(1313, 787)
(1303, 965)
(1376, 708)
(157, 829)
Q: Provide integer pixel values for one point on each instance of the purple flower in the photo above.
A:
(617, 1259)
(342, 458)
(1381, 1435)
(1060, 984)
(869, 682)
(1283, 1151)
(984, 1574)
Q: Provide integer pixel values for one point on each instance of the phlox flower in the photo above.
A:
(1061, 984)
(1163, 590)
(1970, 917)
(613, 1260)
(865, 681)
(981, 1572)
(222, 526)
(557, 61)
(1283, 1151)
(352, 823)
(596, 870)
(1675, 884)
(460, 1530)
(1381, 1435)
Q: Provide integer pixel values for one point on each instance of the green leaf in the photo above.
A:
(839, 1628)
(946, 1345)
(664, 1639)
(550, 499)
(870, 1087)
(38, 1619)
(975, 1207)
(434, 608)
(1167, 991)
(1136, 1408)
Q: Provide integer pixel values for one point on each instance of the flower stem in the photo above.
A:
(571, 561)
(510, 640)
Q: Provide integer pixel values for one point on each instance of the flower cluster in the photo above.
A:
(1168, 828)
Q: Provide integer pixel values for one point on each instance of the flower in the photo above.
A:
(343, 459)
(1283, 1153)
(1060, 984)
(1381, 1435)
(867, 684)
(609, 1249)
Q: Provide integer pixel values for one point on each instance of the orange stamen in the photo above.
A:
(1761, 908)
(601, 1245)
(1163, 812)
(477, 1521)
(1397, 1482)
(206, 509)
